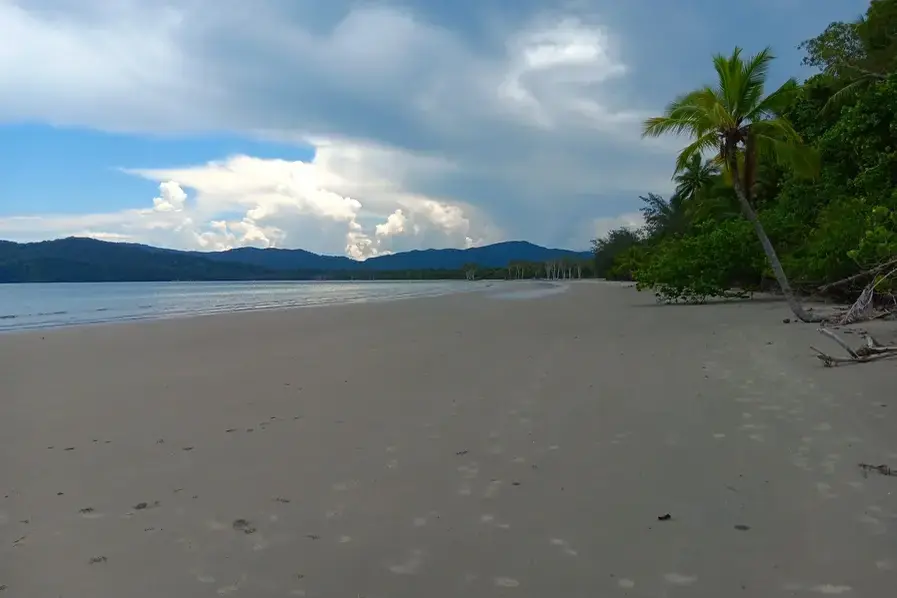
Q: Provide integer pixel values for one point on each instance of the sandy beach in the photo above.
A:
(464, 445)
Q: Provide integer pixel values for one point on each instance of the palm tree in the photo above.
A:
(735, 120)
(697, 175)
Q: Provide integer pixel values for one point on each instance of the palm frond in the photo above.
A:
(697, 175)
(802, 159)
(707, 141)
(726, 78)
(777, 128)
(690, 113)
(847, 93)
(776, 103)
(751, 81)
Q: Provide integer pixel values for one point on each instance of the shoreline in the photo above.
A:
(160, 316)
(440, 447)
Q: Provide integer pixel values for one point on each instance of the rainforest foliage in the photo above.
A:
(810, 166)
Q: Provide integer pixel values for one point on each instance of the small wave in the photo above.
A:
(8, 317)
(102, 309)
(52, 313)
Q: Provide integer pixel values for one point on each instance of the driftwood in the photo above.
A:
(844, 281)
(880, 469)
(862, 308)
(871, 351)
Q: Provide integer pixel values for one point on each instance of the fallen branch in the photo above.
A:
(881, 469)
(840, 341)
(861, 308)
(861, 275)
(871, 351)
(883, 314)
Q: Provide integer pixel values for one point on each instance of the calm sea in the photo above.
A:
(29, 306)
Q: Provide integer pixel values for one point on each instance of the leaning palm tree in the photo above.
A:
(742, 126)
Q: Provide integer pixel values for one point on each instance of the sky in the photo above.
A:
(356, 128)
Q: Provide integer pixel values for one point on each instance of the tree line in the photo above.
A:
(790, 189)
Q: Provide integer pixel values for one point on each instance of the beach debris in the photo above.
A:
(86, 510)
(70, 448)
(664, 517)
(742, 528)
(231, 430)
(187, 448)
(249, 430)
(786, 320)
(313, 537)
(3, 587)
(98, 559)
(460, 453)
(281, 499)
(872, 350)
(242, 525)
(17, 540)
(59, 493)
(515, 483)
(140, 506)
(160, 441)
(880, 469)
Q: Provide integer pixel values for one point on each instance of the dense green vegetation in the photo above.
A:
(793, 188)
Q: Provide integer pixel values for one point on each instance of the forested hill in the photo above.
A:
(89, 260)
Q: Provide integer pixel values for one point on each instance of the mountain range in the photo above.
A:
(89, 260)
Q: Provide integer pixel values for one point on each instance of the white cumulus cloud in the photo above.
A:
(246, 201)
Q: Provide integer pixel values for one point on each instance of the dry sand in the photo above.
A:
(456, 446)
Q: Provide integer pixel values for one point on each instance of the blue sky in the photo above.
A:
(355, 128)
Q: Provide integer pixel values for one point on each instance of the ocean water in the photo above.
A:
(36, 305)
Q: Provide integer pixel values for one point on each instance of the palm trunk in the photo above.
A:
(770, 252)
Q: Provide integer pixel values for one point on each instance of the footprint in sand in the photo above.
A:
(492, 489)
(242, 525)
(411, 565)
(565, 546)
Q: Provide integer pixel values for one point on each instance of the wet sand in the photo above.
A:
(455, 446)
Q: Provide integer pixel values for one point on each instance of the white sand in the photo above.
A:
(456, 446)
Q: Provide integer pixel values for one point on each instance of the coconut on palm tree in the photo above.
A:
(742, 126)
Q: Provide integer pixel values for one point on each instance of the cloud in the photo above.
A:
(434, 123)
(171, 198)
(344, 194)
(599, 227)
